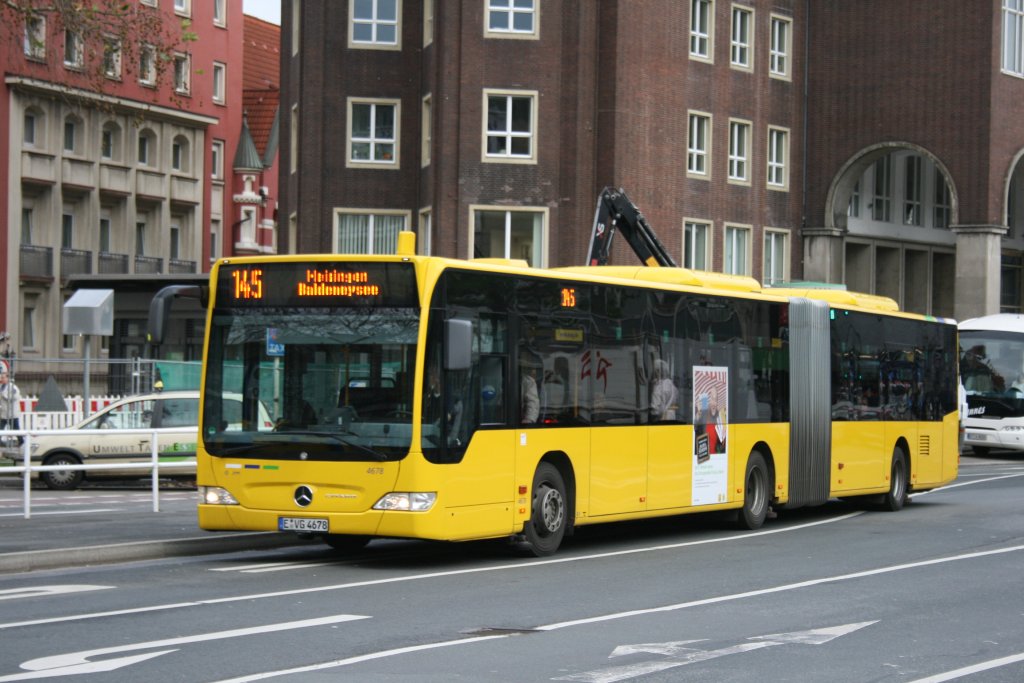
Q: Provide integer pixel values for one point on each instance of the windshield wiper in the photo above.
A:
(365, 450)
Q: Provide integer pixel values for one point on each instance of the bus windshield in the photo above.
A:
(337, 379)
(992, 370)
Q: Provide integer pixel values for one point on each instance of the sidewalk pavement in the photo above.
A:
(105, 534)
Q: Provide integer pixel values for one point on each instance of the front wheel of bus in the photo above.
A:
(897, 495)
(549, 512)
(756, 494)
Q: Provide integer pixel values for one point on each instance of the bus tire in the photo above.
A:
(897, 495)
(548, 511)
(756, 493)
(62, 480)
(345, 543)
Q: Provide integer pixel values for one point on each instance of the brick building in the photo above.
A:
(122, 178)
(788, 140)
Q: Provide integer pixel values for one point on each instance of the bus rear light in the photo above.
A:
(214, 495)
(405, 501)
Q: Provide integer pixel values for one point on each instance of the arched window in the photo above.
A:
(34, 128)
(110, 141)
(181, 159)
(147, 155)
(73, 142)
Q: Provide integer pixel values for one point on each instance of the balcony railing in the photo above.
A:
(36, 261)
(112, 264)
(148, 264)
(180, 266)
(75, 262)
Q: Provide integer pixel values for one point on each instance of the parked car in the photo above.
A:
(173, 414)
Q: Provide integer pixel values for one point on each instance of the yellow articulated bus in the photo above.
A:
(431, 398)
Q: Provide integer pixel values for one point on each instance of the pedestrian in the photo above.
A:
(664, 394)
(10, 401)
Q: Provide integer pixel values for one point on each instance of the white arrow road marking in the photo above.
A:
(670, 648)
(37, 591)
(623, 673)
(78, 662)
(271, 567)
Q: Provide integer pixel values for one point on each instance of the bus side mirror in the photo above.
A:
(458, 349)
(160, 308)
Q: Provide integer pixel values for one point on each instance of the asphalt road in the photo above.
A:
(835, 593)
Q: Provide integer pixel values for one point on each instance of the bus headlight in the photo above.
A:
(410, 502)
(215, 495)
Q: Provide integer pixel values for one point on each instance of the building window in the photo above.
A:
(26, 226)
(112, 58)
(943, 205)
(73, 54)
(219, 81)
(778, 51)
(147, 147)
(110, 141)
(28, 136)
(776, 261)
(778, 156)
(741, 43)
(508, 126)
(515, 234)
(374, 23)
(736, 260)
(511, 18)
(179, 154)
(695, 245)
(182, 71)
(853, 210)
(701, 17)
(147, 65)
(425, 135)
(183, 7)
(105, 234)
(428, 22)
(1013, 37)
(219, 15)
(367, 233)
(35, 37)
(373, 134)
(739, 151)
(28, 323)
(881, 203)
(70, 135)
(67, 231)
(912, 191)
(697, 144)
(217, 160)
(140, 238)
(175, 243)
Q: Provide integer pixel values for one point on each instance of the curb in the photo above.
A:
(36, 560)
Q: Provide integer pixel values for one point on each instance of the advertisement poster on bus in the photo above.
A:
(710, 427)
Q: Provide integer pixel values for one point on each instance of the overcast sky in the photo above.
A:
(268, 10)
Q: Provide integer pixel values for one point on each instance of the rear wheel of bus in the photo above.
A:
(548, 512)
(756, 493)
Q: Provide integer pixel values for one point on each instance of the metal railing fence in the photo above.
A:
(27, 468)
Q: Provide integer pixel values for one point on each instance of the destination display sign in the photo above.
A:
(306, 283)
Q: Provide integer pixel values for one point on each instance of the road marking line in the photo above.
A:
(58, 512)
(973, 669)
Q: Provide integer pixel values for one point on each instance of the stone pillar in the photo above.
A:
(823, 254)
(978, 267)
